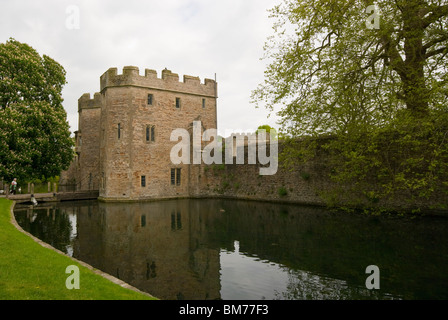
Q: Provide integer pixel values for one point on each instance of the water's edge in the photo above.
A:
(105, 275)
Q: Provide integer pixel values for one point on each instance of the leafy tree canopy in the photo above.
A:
(374, 79)
(268, 129)
(34, 133)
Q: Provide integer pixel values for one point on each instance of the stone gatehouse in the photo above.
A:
(123, 140)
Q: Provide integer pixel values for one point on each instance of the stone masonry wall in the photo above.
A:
(128, 156)
(88, 138)
(306, 184)
(243, 181)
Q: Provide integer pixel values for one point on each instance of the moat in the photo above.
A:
(228, 249)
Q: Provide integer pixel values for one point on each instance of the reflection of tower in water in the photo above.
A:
(156, 247)
(176, 221)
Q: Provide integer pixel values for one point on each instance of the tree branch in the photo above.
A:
(396, 61)
(436, 52)
(437, 13)
(433, 42)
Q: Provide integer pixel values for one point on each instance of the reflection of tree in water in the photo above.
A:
(52, 226)
(338, 245)
(304, 285)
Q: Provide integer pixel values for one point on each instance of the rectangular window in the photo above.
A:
(173, 177)
(177, 103)
(150, 99)
(150, 133)
(178, 176)
(119, 131)
(203, 103)
(143, 181)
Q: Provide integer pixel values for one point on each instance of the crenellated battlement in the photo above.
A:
(85, 102)
(168, 81)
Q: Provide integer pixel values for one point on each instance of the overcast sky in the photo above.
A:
(189, 37)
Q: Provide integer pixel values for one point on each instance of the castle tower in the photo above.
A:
(138, 114)
(88, 142)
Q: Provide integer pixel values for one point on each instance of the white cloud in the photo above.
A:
(194, 37)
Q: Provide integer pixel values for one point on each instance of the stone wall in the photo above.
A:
(244, 181)
(307, 184)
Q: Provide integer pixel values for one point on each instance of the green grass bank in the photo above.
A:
(29, 271)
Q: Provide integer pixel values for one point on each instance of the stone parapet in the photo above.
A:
(85, 102)
(168, 81)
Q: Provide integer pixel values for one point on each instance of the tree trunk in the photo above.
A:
(416, 93)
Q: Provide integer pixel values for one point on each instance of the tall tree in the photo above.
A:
(268, 129)
(359, 72)
(34, 133)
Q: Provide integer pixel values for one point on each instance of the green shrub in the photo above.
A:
(282, 191)
(305, 175)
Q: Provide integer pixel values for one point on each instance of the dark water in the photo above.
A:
(227, 249)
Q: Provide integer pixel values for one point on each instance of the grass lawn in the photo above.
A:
(29, 271)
